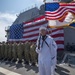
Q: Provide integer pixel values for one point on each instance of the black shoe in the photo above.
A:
(69, 65)
(5, 59)
(55, 69)
(33, 64)
(9, 59)
(20, 61)
(14, 60)
(1, 59)
(26, 62)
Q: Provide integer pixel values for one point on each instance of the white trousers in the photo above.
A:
(44, 67)
(53, 66)
(53, 70)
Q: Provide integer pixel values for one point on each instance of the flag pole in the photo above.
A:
(44, 1)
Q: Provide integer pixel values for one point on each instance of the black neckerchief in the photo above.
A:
(43, 38)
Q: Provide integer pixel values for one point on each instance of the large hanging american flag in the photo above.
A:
(30, 31)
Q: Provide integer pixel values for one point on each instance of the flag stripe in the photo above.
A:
(32, 28)
(60, 42)
(31, 35)
(58, 35)
(38, 24)
(59, 39)
(32, 23)
(67, 4)
(57, 32)
(59, 15)
(56, 13)
(56, 29)
(60, 49)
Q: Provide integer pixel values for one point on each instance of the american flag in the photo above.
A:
(56, 11)
(30, 31)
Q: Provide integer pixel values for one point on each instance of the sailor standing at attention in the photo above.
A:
(46, 49)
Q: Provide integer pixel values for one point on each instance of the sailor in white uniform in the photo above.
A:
(46, 49)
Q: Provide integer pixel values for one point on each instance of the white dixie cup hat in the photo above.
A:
(42, 27)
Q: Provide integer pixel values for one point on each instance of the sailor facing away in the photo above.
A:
(46, 49)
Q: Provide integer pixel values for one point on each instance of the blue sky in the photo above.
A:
(9, 9)
(17, 5)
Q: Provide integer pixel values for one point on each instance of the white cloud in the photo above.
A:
(40, 0)
(6, 19)
(39, 3)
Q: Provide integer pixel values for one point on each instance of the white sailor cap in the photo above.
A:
(42, 27)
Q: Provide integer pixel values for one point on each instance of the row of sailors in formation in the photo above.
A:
(19, 52)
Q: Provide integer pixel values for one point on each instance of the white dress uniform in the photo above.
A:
(46, 55)
(54, 61)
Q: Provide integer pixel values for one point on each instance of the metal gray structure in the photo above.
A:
(69, 35)
(27, 15)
